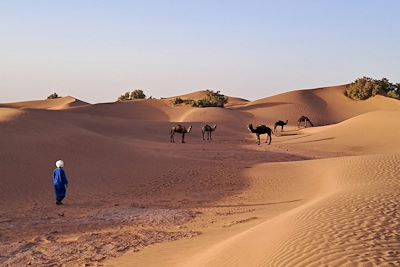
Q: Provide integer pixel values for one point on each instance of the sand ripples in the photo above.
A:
(356, 226)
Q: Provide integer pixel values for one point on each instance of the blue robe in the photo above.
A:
(60, 181)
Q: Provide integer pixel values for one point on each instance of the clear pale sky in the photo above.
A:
(96, 50)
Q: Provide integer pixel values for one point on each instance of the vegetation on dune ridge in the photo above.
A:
(365, 87)
(212, 99)
(53, 96)
(177, 101)
(136, 94)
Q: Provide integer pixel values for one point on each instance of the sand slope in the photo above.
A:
(372, 132)
(8, 114)
(350, 219)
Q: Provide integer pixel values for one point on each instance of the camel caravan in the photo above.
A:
(207, 130)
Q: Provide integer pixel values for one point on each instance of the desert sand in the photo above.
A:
(320, 196)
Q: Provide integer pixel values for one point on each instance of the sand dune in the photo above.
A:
(372, 132)
(323, 106)
(349, 219)
(226, 202)
(216, 115)
(51, 104)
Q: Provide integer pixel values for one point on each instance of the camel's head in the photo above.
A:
(286, 121)
(250, 127)
(214, 127)
(189, 129)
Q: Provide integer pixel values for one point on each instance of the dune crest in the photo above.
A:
(49, 104)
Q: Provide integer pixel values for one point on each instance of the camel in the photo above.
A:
(304, 119)
(280, 123)
(179, 129)
(208, 129)
(262, 129)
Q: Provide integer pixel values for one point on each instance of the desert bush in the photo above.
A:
(365, 87)
(393, 94)
(213, 99)
(177, 101)
(53, 96)
(124, 97)
(138, 94)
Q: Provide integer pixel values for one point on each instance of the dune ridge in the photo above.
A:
(49, 104)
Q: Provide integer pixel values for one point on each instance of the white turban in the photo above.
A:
(59, 163)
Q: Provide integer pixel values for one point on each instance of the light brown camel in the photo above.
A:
(262, 129)
(280, 123)
(304, 119)
(208, 129)
(179, 129)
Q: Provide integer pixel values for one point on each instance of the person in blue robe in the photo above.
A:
(60, 182)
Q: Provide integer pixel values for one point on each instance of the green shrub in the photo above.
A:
(138, 94)
(393, 94)
(53, 96)
(177, 101)
(124, 97)
(213, 99)
(365, 87)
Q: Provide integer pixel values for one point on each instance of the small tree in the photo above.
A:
(365, 87)
(53, 96)
(217, 98)
(138, 94)
(124, 97)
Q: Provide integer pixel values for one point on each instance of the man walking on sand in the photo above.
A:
(60, 182)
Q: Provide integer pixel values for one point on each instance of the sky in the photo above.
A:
(97, 50)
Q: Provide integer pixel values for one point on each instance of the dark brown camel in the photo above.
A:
(262, 129)
(304, 119)
(179, 129)
(280, 123)
(208, 129)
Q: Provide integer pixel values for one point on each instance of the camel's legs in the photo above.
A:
(203, 135)
(171, 139)
(258, 139)
(183, 137)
